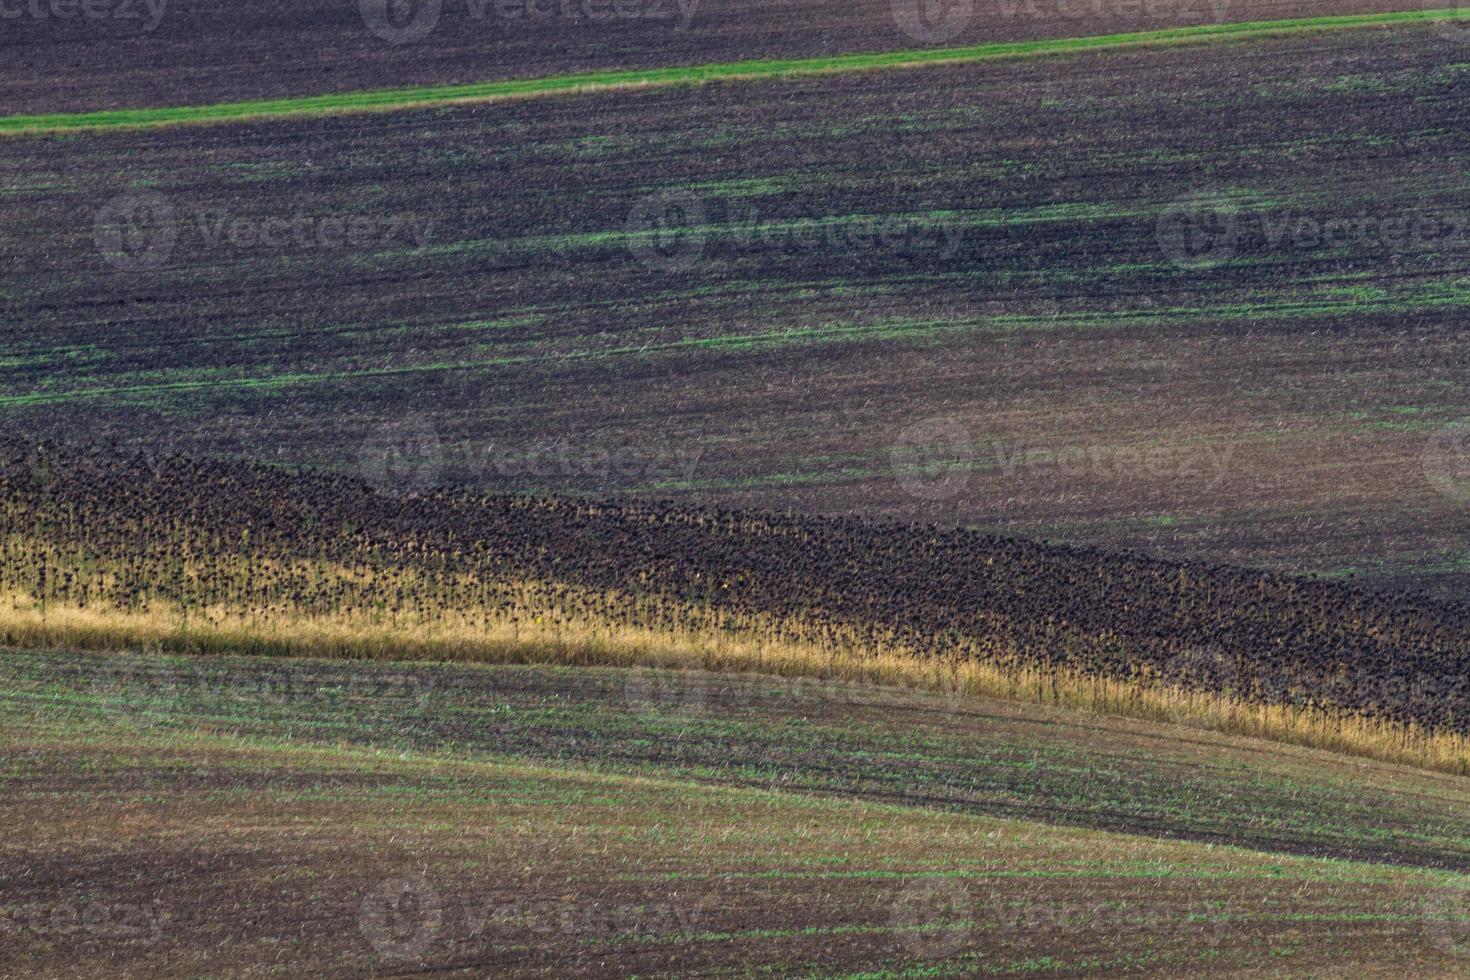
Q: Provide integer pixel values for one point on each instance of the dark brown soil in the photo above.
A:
(1292, 408)
(194, 52)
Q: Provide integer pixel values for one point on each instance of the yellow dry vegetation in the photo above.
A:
(552, 623)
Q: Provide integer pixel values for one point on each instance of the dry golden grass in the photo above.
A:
(537, 628)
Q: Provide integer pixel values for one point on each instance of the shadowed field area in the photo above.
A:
(391, 818)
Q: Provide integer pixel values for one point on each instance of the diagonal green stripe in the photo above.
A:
(443, 95)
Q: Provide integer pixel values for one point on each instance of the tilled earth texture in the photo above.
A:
(60, 57)
(1207, 302)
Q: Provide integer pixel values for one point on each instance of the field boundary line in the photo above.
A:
(438, 96)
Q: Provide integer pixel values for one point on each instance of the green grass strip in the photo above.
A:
(444, 95)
